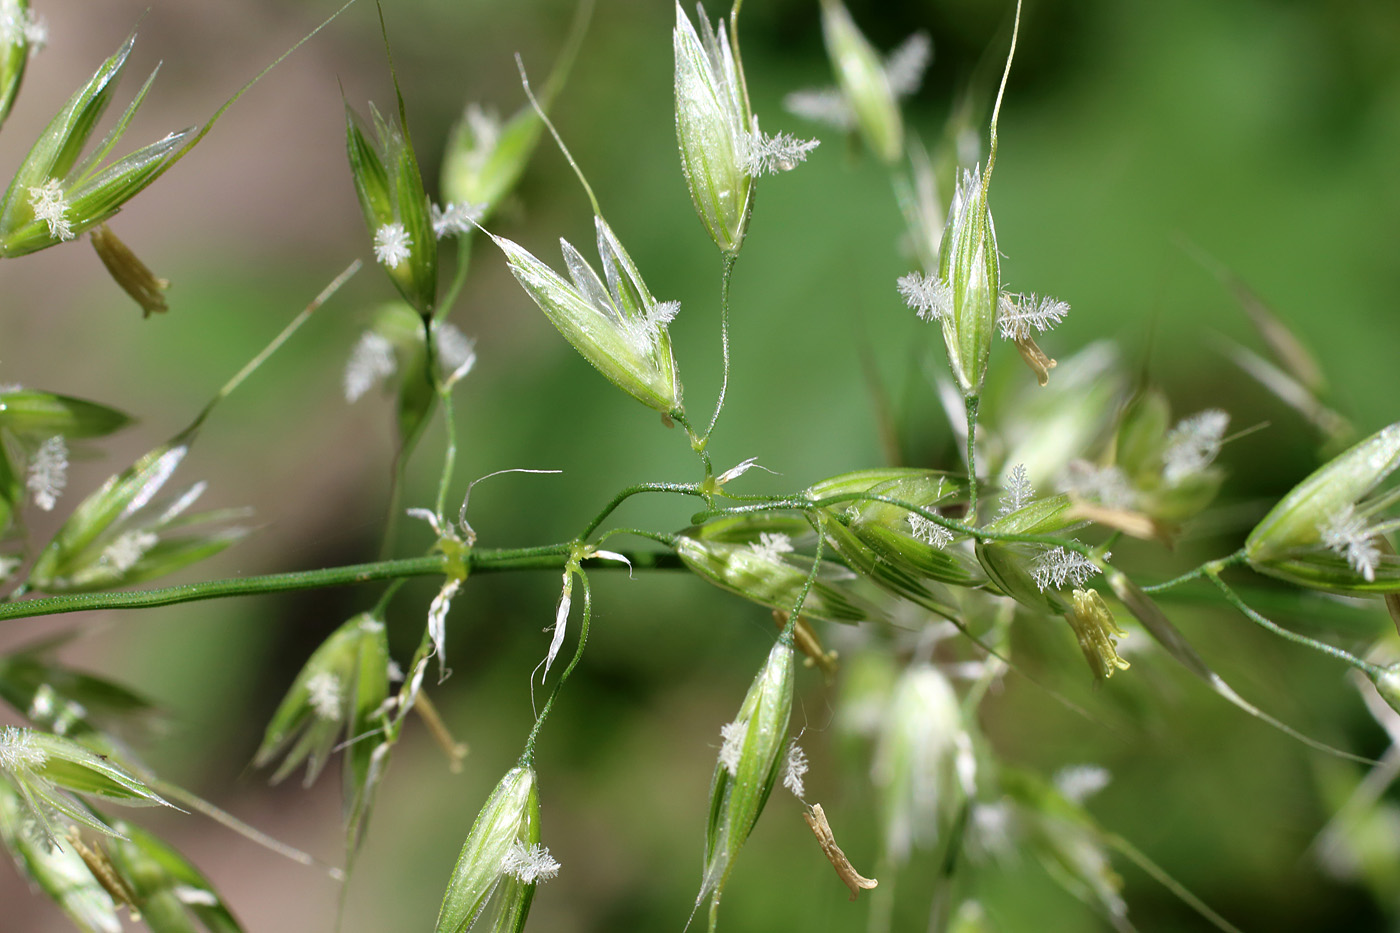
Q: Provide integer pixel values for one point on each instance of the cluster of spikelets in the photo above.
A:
(884, 545)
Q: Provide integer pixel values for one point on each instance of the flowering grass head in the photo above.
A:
(56, 194)
(1325, 534)
(750, 757)
(395, 206)
(618, 326)
(501, 862)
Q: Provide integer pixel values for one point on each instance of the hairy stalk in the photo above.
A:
(687, 489)
(729, 260)
(1365, 667)
(697, 444)
(1214, 566)
(787, 635)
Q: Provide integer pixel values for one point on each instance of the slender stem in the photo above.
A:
(727, 273)
(791, 627)
(276, 343)
(454, 750)
(459, 276)
(687, 489)
(529, 754)
(551, 557)
(1214, 566)
(449, 456)
(697, 443)
(1365, 667)
(971, 403)
(660, 537)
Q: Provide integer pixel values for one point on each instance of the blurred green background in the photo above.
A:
(1263, 132)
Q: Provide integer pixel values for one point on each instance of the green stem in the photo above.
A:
(1214, 566)
(791, 627)
(971, 404)
(251, 366)
(697, 443)
(725, 275)
(658, 536)
(449, 456)
(551, 557)
(1365, 667)
(688, 489)
(459, 276)
(528, 757)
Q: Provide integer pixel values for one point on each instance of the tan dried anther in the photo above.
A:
(816, 820)
(128, 271)
(806, 641)
(1128, 521)
(1035, 358)
(105, 873)
(1097, 632)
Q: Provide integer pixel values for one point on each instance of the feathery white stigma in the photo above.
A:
(928, 295)
(905, 66)
(769, 155)
(1017, 314)
(1193, 444)
(371, 362)
(929, 532)
(458, 217)
(794, 767)
(1347, 534)
(456, 351)
(642, 332)
(324, 693)
(772, 545)
(1017, 491)
(1106, 485)
(17, 751)
(391, 243)
(128, 548)
(529, 864)
(18, 27)
(821, 105)
(51, 206)
(733, 735)
(48, 473)
(1057, 567)
(1080, 782)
